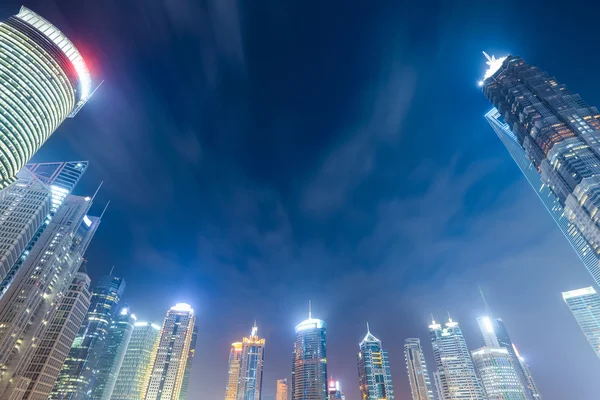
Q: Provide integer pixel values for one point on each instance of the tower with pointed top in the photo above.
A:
(455, 377)
(251, 366)
(309, 361)
(374, 375)
(418, 376)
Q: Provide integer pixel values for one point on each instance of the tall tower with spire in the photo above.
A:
(309, 361)
(251, 366)
(374, 375)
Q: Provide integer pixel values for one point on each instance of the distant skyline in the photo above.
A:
(260, 156)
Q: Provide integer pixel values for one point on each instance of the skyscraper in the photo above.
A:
(553, 136)
(136, 367)
(455, 378)
(32, 299)
(309, 362)
(233, 374)
(282, 390)
(77, 376)
(188, 365)
(167, 373)
(498, 373)
(584, 304)
(44, 80)
(251, 366)
(418, 377)
(111, 359)
(374, 375)
(334, 390)
(51, 352)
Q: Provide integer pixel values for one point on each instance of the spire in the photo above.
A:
(103, 211)
(487, 56)
(111, 270)
(449, 317)
(485, 304)
(97, 190)
(368, 330)
(254, 329)
(309, 310)
(432, 319)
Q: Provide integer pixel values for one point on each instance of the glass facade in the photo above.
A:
(418, 377)
(282, 390)
(136, 367)
(233, 374)
(455, 377)
(251, 367)
(43, 80)
(77, 376)
(374, 375)
(498, 373)
(188, 365)
(309, 361)
(554, 137)
(585, 306)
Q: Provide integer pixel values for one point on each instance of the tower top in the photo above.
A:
(493, 63)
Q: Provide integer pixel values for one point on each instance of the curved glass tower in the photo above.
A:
(309, 369)
(43, 80)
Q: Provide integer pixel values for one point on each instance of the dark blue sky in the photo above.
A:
(260, 154)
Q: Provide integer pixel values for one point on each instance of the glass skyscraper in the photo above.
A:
(233, 374)
(554, 137)
(282, 390)
(43, 80)
(498, 373)
(188, 365)
(418, 377)
(585, 305)
(111, 359)
(168, 370)
(77, 376)
(137, 364)
(309, 361)
(374, 375)
(251, 366)
(455, 377)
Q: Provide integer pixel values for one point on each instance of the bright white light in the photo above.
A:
(182, 307)
(155, 326)
(310, 323)
(124, 311)
(579, 292)
(480, 83)
(488, 324)
(141, 323)
(87, 221)
(134, 317)
(494, 64)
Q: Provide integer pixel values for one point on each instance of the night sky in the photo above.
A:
(260, 154)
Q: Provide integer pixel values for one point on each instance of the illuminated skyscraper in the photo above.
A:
(43, 80)
(496, 368)
(251, 367)
(188, 365)
(309, 365)
(374, 375)
(31, 301)
(168, 371)
(135, 370)
(554, 137)
(282, 390)
(334, 391)
(233, 375)
(111, 359)
(51, 351)
(418, 377)
(455, 378)
(77, 375)
(585, 305)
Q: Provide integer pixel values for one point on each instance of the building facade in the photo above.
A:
(374, 375)
(554, 137)
(44, 80)
(455, 377)
(498, 372)
(309, 361)
(168, 370)
(282, 390)
(418, 376)
(136, 367)
(251, 366)
(584, 304)
(334, 391)
(233, 374)
(39, 286)
(77, 376)
(188, 365)
(111, 359)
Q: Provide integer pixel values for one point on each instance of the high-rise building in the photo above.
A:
(77, 375)
(251, 366)
(53, 347)
(111, 359)
(282, 389)
(374, 375)
(167, 373)
(455, 377)
(309, 361)
(334, 391)
(554, 137)
(31, 301)
(584, 304)
(137, 364)
(188, 365)
(44, 80)
(418, 377)
(233, 374)
(26, 209)
(497, 370)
